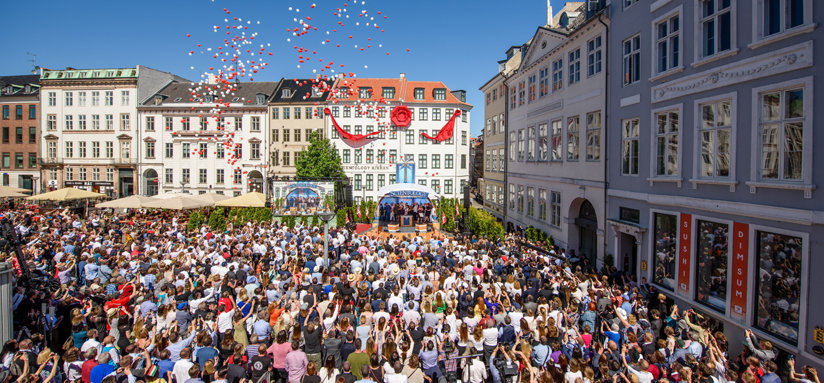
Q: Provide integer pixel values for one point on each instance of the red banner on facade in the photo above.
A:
(684, 247)
(740, 259)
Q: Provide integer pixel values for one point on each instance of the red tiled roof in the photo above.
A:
(404, 89)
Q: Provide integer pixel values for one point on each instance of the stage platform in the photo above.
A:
(406, 232)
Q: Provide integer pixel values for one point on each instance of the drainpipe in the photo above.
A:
(506, 152)
(604, 137)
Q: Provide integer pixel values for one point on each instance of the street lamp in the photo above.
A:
(326, 216)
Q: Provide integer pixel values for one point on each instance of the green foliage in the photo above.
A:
(195, 221)
(217, 220)
(243, 215)
(288, 220)
(539, 237)
(340, 216)
(484, 224)
(319, 160)
(447, 206)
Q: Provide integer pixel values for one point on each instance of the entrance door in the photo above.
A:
(628, 254)
(587, 223)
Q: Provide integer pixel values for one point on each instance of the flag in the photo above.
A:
(443, 220)
(457, 210)
(358, 210)
(347, 219)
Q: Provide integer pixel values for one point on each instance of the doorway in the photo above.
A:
(628, 254)
(587, 223)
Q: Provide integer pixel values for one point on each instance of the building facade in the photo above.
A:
(493, 184)
(89, 126)
(186, 146)
(295, 111)
(555, 171)
(364, 106)
(20, 102)
(712, 176)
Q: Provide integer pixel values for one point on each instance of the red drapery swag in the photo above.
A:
(344, 134)
(446, 132)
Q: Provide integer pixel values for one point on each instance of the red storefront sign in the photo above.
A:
(740, 259)
(684, 247)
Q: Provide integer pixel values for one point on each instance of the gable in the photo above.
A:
(543, 42)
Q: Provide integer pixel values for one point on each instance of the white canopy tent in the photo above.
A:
(408, 190)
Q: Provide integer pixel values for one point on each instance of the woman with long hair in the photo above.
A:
(328, 372)
(311, 375)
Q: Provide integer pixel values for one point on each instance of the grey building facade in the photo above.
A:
(712, 194)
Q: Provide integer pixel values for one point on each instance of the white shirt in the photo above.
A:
(395, 378)
(91, 343)
(643, 376)
(224, 321)
(490, 336)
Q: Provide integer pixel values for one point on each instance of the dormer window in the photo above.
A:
(287, 93)
(96, 73)
(81, 75)
(7, 90)
(365, 92)
(317, 92)
(178, 99)
(261, 99)
(344, 92)
(439, 94)
(388, 92)
(208, 98)
(158, 100)
(419, 93)
(28, 88)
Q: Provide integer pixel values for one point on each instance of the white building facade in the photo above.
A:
(555, 174)
(364, 106)
(186, 146)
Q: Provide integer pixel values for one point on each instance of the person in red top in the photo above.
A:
(126, 292)
(88, 365)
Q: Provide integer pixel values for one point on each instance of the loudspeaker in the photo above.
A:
(466, 199)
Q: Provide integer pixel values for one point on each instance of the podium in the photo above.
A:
(406, 220)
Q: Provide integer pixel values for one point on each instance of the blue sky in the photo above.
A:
(454, 41)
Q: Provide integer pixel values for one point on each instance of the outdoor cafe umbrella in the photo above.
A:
(13, 189)
(130, 202)
(253, 199)
(183, 202)
(10, 194)
(211, 198)
(65, 194)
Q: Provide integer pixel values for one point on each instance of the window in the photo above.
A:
(448, 161)
(715, 130)
(220, 176)
(297, 134)
(255, 124)
(422, 161)
(422, 140)
(18, 160)
(52, 99)
(124, 98)
(150, 124)
(419, 93)
(109, 98)
(52, 150)
(32, 112)
(781, 15)
(716, 31)
(6, 160)
(286, 159)
(487, 160)
(5, 112)
(543, 81)
(170, 151)
(358, 156)
(369, 183)
(557, 74)
(168, 123)
(779, 287)
(202, 176)
(573, 134)
(422, 113)
(629, 146)
(782, 122)
(436, 161)
(555, 209)
(531, 87)
(439, 94)
(18, 135)
(711, 264)
(238, 151)
(81, 122)
(632, 59)
(594, 56)
(531, 142)
(169, 176)
(463, 138)
(69, 174)
(388, 92)
(357, 185)
(521, 145)
(81, 98)
(666, 143)
(95, 122)
(125, 150)
(275, 113)
(530, 201)
(150, 150)
(365, 92)
(109, 149)
(186, 176)
(447, 187)
(370, 156)
(521, 93)
(346, 156)
(501, 159)
(81, 174)
(463, 161)
(95, 98)
(82, 149)
(6, 135)
(520, 198)
(557, 140)
(629, 3)
(69, 123)
(307, 112)
(381, 156)
(203, 150)
(237, 176)
(297, 113)
(220, 151)
(513, 98)
(68, 98)
(665, 249)
(51, 122)
(255, 148)
(594, 136)
(575, 66)
(436, 114)
(410, 136)
(513, 142)
(69, 149)
(511, 196)
(187, 149)
(667, 43)
(125, 123)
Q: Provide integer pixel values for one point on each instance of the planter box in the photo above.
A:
(420, 227)
(393, 228)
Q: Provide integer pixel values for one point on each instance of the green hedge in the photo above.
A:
(484, 224)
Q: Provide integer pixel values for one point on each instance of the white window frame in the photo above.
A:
(697, 179)
(758, 37)
(693, 291)
(628, 3)
(653, 174)
(574, 66)
(698, 34)
(638, 158)
(543, 138)
(596, 54)
(805, 184)
(629, 56)
(597, 129)
(655, 40)
(555, 219)
(570, 155)
(556, 153)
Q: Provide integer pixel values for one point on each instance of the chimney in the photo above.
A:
(403, 75)
(548, 14)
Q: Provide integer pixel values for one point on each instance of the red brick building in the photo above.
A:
(19, 131)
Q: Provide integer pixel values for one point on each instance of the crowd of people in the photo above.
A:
(141, 299)
(419, 212)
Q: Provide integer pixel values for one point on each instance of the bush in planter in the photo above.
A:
(195, 221)
(217, 220)
(482, 223)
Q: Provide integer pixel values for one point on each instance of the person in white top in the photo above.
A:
(91, 342)
(475, 372)
(396, 376)
(643, 375)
